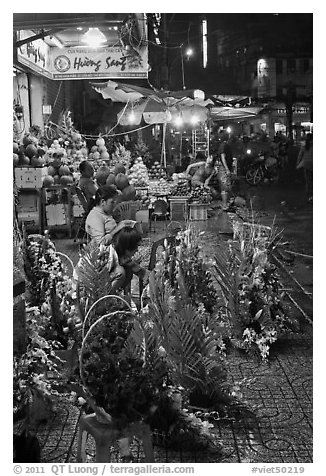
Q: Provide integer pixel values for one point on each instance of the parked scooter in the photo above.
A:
(263, 168)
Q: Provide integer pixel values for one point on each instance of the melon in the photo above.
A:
(16, 159)
(16, 148)
(94, 148)
(52, 171)
(66, 179)
(105, 155)
(31, 150)
(119, 169)
(48, 181)
(24, 160)
(121, 181)
(28, 139)
(110, 180)
(56, 179)
(96, 155)
(64, 170)
(129, 193)
(84, 150)
(100, 141)
(37, 161)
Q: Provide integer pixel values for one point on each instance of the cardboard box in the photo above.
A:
(56, 215)
(30, 177)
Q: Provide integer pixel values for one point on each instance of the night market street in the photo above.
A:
(163, 223)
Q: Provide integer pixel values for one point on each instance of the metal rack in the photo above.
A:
(200, 140)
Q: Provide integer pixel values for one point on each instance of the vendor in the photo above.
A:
(202, 173)
(86, 182)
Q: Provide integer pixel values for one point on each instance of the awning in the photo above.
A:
(220, 113)
(122, 92)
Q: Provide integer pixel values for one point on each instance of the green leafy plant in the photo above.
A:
(250, 287)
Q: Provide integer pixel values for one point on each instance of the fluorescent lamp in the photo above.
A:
(204, 28)
(94, 37)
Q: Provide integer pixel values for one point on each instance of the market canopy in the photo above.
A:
(121, 92)
(153, 112)
(224, 112)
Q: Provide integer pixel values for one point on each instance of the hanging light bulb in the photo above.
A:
(131, 117)
(94, 37)
(194, 119)
(178, 121)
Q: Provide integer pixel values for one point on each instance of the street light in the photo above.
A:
(188, 53)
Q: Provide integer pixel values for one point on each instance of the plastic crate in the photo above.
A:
(30, 177)
(197, 211)
(178, 208)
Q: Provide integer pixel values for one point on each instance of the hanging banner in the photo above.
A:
(90, 63)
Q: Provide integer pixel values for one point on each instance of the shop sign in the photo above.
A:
(34, 54)
(83, 62)
(90, 63)
(266, 77)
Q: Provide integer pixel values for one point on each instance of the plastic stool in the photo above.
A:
(105, 435)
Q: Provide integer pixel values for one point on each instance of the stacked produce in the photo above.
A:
(138, 174)
(181, 189)
(156, 172)
(119, 178)
(99, 151)
(30, 153)
(200, 194)
(120, 156)
(59, 172)
(160, 187)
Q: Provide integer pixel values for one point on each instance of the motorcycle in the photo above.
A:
(263, 168)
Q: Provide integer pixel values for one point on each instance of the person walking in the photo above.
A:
(225, 167)
(305, 161)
